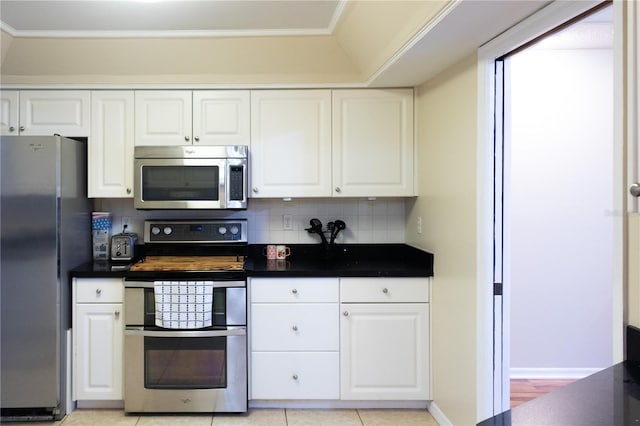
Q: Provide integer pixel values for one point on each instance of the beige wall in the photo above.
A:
(5, 42)
(447, 202)
(247, 60)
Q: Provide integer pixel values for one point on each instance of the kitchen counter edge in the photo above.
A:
(306, 260)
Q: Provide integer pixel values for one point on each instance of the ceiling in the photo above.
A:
(168, 18)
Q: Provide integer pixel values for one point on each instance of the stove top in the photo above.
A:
(210, 245)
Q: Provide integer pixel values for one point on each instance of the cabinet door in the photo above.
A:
(221, 117)
(98, 341)
(163, 117)
(373, 143)
(291, 143)
(9, 109)
(110, 148)
(384, 351)
(47, 112)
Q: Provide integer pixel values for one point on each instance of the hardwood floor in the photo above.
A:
(523, 390)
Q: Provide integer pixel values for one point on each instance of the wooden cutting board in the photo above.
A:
(189, 263)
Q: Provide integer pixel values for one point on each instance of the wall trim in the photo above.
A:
(552, 373)
(438, 414)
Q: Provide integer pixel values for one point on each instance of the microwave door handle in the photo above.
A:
(138, 331)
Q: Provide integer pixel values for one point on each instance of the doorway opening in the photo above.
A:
(554, 207)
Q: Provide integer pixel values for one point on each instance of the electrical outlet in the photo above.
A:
(287, 222)
(419, 224)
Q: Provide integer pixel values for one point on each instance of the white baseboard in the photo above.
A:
(438, 415)
(552, 373)
(335, 404)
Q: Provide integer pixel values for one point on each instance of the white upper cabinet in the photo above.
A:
(110, 148)
(291, 143)
(183, 117)
(45, 112)
(9, 108)
(163, 117)
(221, 117)
(373, 143)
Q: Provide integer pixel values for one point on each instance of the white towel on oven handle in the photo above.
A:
(183, 304)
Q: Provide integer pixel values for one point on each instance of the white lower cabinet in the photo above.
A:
(98, 335)
(373, 345)
(294, 338)
(384, 339)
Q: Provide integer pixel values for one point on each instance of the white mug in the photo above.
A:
(282, 252)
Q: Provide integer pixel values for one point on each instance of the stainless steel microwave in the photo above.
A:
(190, 177)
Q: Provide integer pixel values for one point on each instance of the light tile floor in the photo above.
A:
(261, 417)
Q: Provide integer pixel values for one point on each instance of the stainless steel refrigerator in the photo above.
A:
(45, 231)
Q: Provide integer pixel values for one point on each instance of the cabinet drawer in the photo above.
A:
(292, 290)
(99, 290)
(381, 290)
(299, 327)
(282, 375)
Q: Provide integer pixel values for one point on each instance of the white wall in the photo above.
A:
(561, 211)
(378, 221)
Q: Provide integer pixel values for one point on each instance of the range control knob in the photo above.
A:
(167, 230)
(235, 230)
(222, 230)
(155, 230)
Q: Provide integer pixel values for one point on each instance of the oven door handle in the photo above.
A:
(138, 331)
(216, 284)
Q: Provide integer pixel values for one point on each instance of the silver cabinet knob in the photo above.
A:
(338, 189)
(128, 190)
(255, 189)
(187, 138)
(385, 290)
(294, 377)
(635, 190)
(294, 328)
(22, 128)
(294, 291)
(117, 314)
(345, 313)
(98, 291)
(12, 128)
(196, 138)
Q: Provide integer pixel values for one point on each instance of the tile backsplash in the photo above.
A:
(368, 221)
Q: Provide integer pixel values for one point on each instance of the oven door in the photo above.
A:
(180, 183)
(186, 371)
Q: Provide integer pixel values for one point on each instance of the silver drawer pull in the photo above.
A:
(117, 314)
(294, 377)
(385, 290)
(294, 328)
(345, 313)
(294, 291)
(98, 291)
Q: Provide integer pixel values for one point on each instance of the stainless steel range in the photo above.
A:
(186, 319)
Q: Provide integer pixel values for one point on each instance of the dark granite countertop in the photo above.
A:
(610, 397)
(355, 260)
(306, 260)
